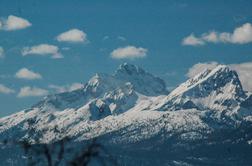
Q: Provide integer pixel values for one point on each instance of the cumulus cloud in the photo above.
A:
(192, 40)
(130, 52)
(243, 70)
(13, 23)
(210, 37)
(31, 92)
(199, 67)
(1, 52)
(27, 74)
(240, 35)
(6, 90)
(42, 50)
(66, 88)
(73, 35)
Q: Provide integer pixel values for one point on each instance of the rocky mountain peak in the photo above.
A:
(211, 80)
(216, 89)
(142, 81)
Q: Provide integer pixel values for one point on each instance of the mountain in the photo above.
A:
(132, 113)
(217, 89)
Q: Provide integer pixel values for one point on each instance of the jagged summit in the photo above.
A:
(217, 89)
(144, 82)
(210, 80)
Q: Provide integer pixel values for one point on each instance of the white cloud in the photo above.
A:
(31, 92)
(199, 67)
(27, 74)
(129, 52)
(6, 90)
(66, 88)
(14, 23)
(224, 37)
(191, 40)
(1, 52)
(43, 50)
(243, 70)
(240, 35)
(73, 35)
(210, 37)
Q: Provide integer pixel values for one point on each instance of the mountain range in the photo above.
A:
(206, 120)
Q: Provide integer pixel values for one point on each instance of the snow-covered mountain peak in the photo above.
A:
(216, 89)
(210, 80)
(142, 81)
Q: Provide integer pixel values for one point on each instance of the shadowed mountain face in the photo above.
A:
(131, 112)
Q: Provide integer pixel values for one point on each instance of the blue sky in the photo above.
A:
(167, 38)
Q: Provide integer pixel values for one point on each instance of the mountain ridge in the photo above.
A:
(123, 108)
